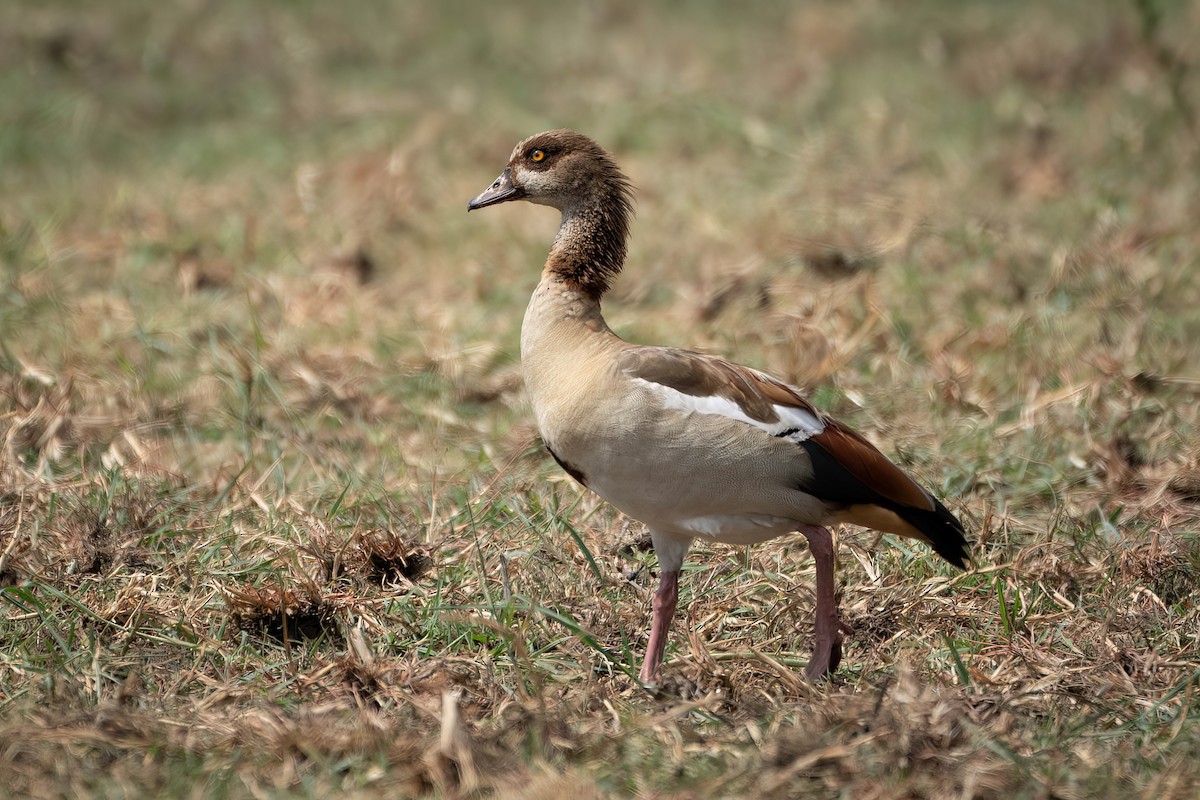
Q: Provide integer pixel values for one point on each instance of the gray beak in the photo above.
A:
(502, 189)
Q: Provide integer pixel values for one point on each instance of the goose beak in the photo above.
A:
(502, 189)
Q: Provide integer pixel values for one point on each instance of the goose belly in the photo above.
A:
(675, 503)
(732, 489)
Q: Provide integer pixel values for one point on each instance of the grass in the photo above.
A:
(273, 518)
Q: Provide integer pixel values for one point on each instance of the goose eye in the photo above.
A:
(537, 155)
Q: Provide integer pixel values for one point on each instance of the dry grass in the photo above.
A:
(273, 520)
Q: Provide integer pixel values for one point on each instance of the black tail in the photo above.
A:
(833, 482)
(944, 531)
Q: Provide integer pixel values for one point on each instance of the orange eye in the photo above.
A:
(537, 155)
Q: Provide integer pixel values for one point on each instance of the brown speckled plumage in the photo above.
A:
(602, 205)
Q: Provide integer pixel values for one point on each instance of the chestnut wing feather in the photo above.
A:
(761, 399)
(699, 375)
(862, 460)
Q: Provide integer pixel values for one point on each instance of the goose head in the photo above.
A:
(560, 168)
(570, 172)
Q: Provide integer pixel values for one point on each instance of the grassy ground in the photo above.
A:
(273, 518)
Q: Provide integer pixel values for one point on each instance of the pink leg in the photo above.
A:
(662, 611)
(827, 650)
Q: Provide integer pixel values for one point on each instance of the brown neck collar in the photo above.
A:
(589, 250)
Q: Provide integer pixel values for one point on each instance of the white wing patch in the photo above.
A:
(795, 424)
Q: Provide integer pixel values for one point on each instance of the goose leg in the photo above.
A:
(670, 551)
(827, 650)
(662, 612)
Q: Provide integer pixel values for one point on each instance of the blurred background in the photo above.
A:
(296, 174)
(247, 327)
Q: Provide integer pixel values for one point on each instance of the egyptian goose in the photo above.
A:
(690, 445)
